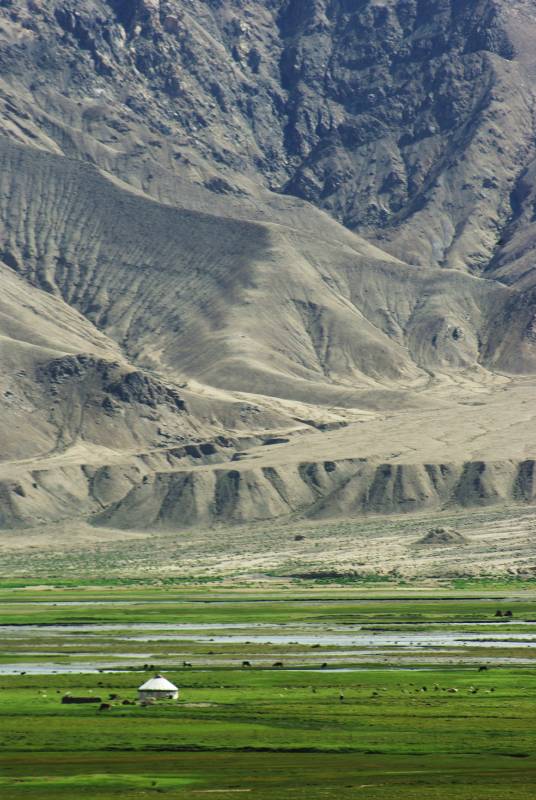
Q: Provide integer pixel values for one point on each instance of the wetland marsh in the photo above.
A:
(293, 691)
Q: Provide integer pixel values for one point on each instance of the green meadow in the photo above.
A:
(434, 733)
(431, 731)
(167, 606)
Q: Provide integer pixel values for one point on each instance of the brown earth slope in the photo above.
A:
(292, 236)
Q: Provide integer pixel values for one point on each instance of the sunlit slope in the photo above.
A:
(144, 347)
(247, 306)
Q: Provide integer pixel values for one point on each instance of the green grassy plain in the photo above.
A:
(440, 733)
(163, 605)
(274, 732)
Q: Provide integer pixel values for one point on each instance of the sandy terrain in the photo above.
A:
(496, 542)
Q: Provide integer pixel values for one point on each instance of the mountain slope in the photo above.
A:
(253, 232)
(235, 303)
(408, 121)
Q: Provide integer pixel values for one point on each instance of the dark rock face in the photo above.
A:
(115, 383)
(377, 113)
(388, 77)
(134, 387)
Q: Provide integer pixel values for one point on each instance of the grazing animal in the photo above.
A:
(278, 664)
(104, 707)
(324, 665)
(246, 663)
(186, 664)
(69, 699)
(482, 668)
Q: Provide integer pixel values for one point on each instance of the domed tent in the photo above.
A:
(158, 688)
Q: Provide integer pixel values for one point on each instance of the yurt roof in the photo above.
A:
(158, 684)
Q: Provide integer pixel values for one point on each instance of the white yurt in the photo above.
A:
(158, 688)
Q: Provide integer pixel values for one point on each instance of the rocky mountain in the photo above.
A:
(294, 235)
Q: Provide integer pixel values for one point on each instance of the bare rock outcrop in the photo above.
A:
(442, 537)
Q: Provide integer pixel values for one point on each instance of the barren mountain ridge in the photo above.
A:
(265, 260)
